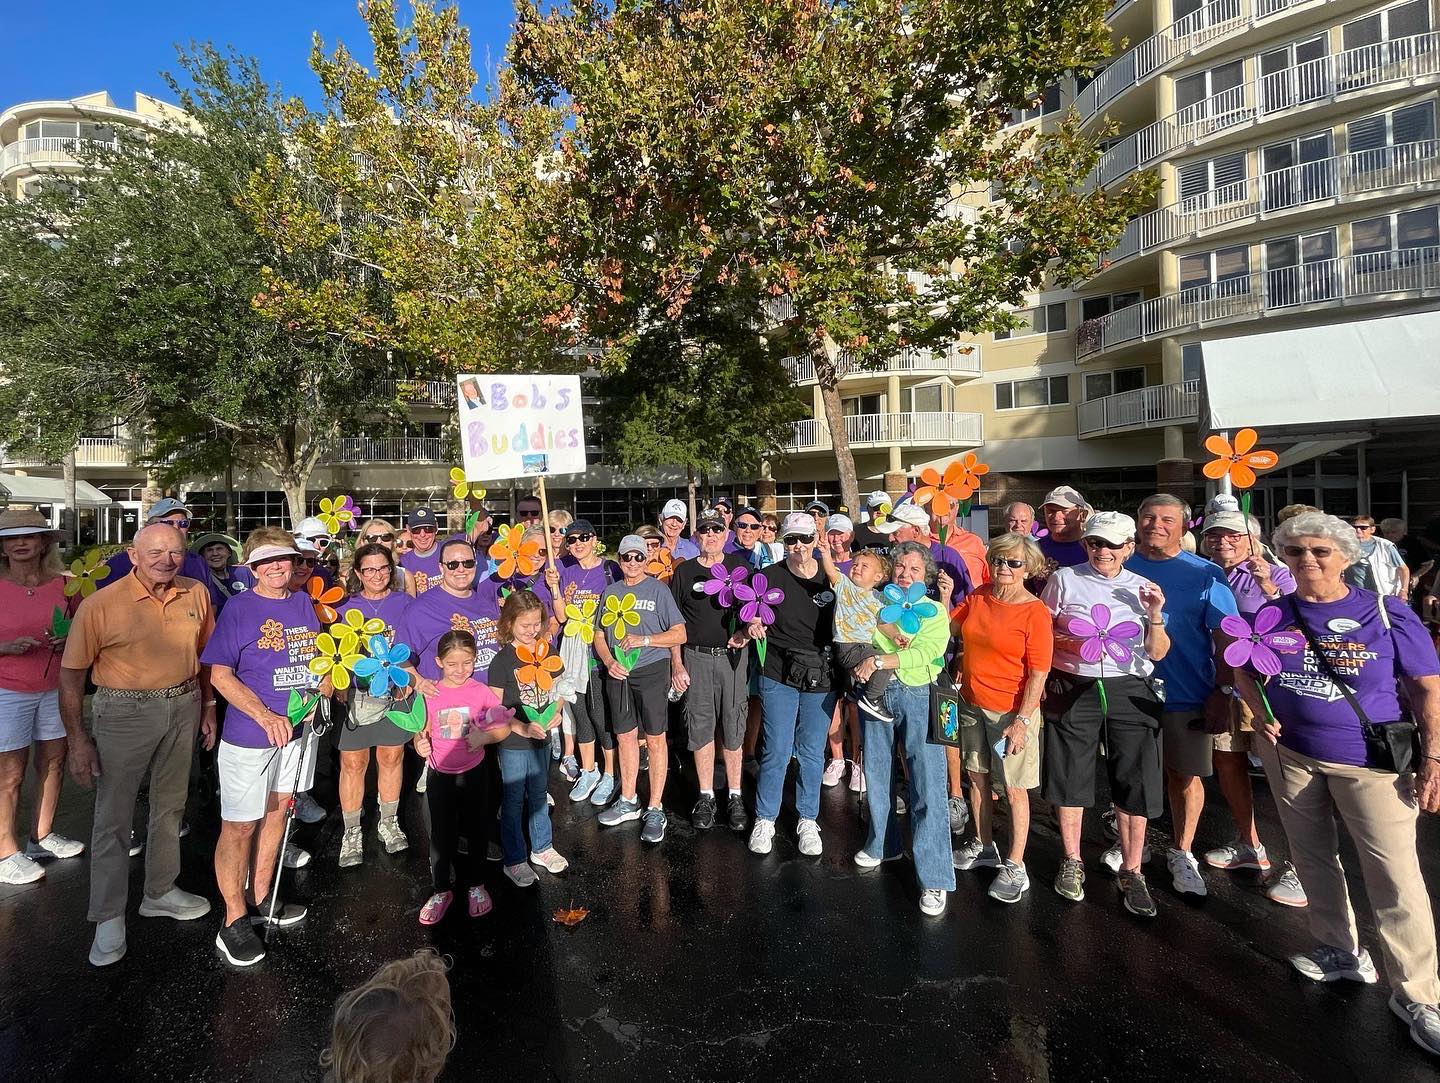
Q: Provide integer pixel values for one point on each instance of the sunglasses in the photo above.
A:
(582, 537)
(529, 516)
(800, 539)
(1101, 543)
(747, 526)
(557, 530)
(1364, 526)
(370, 539)
(178, 524)
(651, 544)
(1319, 552)
(453, 564)
(1003, 562)
(306, 561)
(633, 558)
(422, 530)
(713, 528)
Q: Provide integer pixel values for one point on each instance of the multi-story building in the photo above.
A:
(1299, 187)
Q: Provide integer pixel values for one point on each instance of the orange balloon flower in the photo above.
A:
(541, 665)
(512, 554)
(1241, 461)
(661, 565)
(944, 491)
(324, 599)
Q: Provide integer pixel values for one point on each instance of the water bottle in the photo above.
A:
(674, 695)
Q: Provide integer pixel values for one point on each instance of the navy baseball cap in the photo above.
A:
(579, 526)
(422, 517)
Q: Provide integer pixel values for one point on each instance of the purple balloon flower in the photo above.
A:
(724, 583)
(1256, 646)
(759, 598)
(1098, 636)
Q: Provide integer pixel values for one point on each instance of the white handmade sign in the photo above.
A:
(520, 426)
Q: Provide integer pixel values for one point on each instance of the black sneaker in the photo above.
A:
(735, 812)
(1135, 893)
(702, 817)
(653, 829)
(874, 710)
(239, 944)
(286, 914)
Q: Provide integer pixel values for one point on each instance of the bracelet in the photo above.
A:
(209, 703)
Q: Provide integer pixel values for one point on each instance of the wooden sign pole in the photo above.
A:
(545, 519)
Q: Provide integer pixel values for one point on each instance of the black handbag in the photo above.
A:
(1389, 746)
(944, 712)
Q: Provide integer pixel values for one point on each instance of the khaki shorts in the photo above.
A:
(1242, 729)
(1187, 749)
(980, 729)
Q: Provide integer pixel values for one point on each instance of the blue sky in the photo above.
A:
(64, 48)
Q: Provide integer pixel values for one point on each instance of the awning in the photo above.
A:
(24, 489)
(1359, 372)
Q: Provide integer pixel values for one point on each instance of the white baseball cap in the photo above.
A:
(797, 524)
(632, 543)
(311, 528)
(1062, 496)
(1114, 526)
(1226, 520)
(839, 522)
(906, 514)
(674, 509)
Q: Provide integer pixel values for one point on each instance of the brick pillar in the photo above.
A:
(455, 516)
(1176, 476)
(896, 482)
(765, 494)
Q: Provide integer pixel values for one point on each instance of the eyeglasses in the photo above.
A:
(711, 528)
(1103, 543)
(582, 537)
(747, 526)
(422, 530)
(1319, 552)
(371, 539)
(453, 564)
(1002, 562)
(631, 558)
(651, 543)
(800, 539)
(383, 569)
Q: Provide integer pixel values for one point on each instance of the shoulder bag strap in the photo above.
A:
(1324, 664)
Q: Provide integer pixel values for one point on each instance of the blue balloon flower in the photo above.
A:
(907, 606)
(383, 667)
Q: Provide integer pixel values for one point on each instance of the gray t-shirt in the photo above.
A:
(655, 606)
(1074, 592)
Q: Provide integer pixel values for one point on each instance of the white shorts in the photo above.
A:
(27, 717)
(248, 776)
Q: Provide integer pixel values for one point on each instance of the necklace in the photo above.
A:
(365, 604)
(29, 588)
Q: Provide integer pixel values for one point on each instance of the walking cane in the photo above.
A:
(318, 725)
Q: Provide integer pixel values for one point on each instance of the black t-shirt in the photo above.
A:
(501, 676)
(803, 619)
(707, 622)
(867, 538)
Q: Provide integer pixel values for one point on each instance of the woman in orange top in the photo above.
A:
(1006, 638)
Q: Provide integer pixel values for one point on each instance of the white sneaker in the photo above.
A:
(1423, 1020)
(109, 944)
(1185, 872)
(1112, 858)
(296, 858)
(1238, 855)
(177, 904)
(833, 773)
(53, 845)
(19, 869)
(857, 777)
(808, 832)
(521, 875)
(550, 861)
(973, 854)
(762, 837)
(307, 809)
(932, 902)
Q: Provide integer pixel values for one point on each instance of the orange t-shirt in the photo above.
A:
(1003, 641)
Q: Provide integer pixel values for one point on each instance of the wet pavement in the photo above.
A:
(702, 961)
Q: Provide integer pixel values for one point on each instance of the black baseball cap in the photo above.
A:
(579, 526)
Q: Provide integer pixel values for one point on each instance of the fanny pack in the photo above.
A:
(806, 671)
(1389, 746)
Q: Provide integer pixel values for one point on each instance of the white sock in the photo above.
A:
(707, 793)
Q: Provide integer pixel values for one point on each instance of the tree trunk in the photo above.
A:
(294, 499)
(840, 441)
(231, 527)
(690, 493)
(70, 516)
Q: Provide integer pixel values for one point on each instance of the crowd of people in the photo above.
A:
(1076, 642)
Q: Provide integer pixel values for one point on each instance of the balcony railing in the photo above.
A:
(1371, 276)
(1402, 60)
(1209, 22)
(936, 429)
(387, 449)
(958, 359)
(1344, 176)
(49, 150)
(422, 392)
(1163, 404)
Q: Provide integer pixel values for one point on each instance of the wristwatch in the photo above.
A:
(1025, 720)
(647, 641)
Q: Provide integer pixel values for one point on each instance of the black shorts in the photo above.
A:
(642, 698)
(1074, 726)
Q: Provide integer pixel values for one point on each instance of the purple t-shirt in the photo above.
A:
(578, 585)
(425, 570)
(1246, 588)
(436, 612)
(268, 643)
(1065, 554)
(389, 609)
(1315, 718)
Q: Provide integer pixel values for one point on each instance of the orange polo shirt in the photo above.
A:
(128, 638)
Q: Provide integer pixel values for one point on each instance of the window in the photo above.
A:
(1300, 269)
(1405, 238)
(1045, 320)
(1201, 13)
(1400, 21)
(860, 404)
(1196, 95)
(1191, 361)
(1374, 43)
(926, 398)
(1041, 391)
(1388, 139)
(1213, 182)
(1222, 273)
(1294, 74)
(1049, 102)
(1100, 384)
(59, 129)
(1092, 308)
(1298, 171)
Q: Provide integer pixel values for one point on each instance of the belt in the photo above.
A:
(175, 691)
(706, 650)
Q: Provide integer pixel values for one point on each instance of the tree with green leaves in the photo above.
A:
(135, 292)
(813, 153)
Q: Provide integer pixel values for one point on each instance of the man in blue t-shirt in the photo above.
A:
(1197, 598)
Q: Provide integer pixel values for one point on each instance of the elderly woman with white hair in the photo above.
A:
(1339, 740)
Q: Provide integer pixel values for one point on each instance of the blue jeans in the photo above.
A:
(523, 774)
(792, 721)
(929, 805)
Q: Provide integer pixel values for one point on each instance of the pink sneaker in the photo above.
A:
(434, 909)
(834, 771)
(480, 902)
(857, 777)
